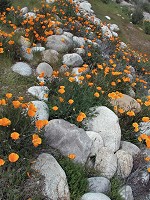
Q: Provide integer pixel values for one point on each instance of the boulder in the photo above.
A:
(68, 34)
(145, 127)
(50, 1)
(99, 185)
(127, 103)
(114, 27)
(126, 193)
(24, 10)
(130, 148)
(55, 184)
(123, 45)
(59, 43)
(38, 49)
(68, 139)
(106, 162)
(72, 60)
(114, 34)
(58, 31)
(79, 51)
(78, 41)
(107, 17)
(97, 142)
(106, 123)
(46, 68)
(85, 6)
(39, 91)
(29, 15)
(106, 31)
(125, 163)
(22, 68)
(94, 196)
(25, 54)
(50, 56)
(25, 42)
(42, 112)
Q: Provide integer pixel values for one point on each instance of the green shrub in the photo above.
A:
(18, 145)
(118, 1)
(4, 4)
(76, 177)
(106, 1)
(137, 16)
(147, 27)
(116, 184)
(146, 6)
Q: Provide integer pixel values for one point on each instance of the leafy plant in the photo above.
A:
(137, 16)
(4, 4)
(116, 184)
(147, 27)
(76, 177)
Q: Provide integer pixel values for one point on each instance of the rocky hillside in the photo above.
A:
(74, 106)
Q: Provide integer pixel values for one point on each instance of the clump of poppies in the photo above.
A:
(20, 131)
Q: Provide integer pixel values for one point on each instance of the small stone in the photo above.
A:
(42, 112)
(107, 17)
(55, 184)
(130, 148)
(106, 162)
(72, 60)
(22, 68)
(99, 185)
(126, 193)
(125, 163)
(46, 68)
(50, 56)
(95, 196)
(39, 92)
(97, 142)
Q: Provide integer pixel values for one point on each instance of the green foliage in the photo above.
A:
(137, 16)
(106, 1)
(146, 6)
(76, 177)
(14, 174)
(20, 123)
(116, 184)
(82, 95)
(4, 4)
(147, 27)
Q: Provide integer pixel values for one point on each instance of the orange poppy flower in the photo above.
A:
(20, 98)
(145, 119)
(131, 113)
(15, 135)
(3, 102)
(31, 113)
(16, 104)
(39, 124)
(1, 50)
(13, 157)
(61, 99)
(32, 107)
(5, 122)
(71, 101)
(121, 110)
(8, 95)
(2, 162)
(55, 108)
(61, 91)
(79, 118)
(71, 156)
(96, 94)
(36, 140)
